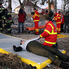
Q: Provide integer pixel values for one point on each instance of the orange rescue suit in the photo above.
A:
(36, 21)
(50, 34)
(57, 18)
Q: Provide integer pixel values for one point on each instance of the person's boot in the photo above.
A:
(64, 65)
(36, 33)
(16, 49)
(19, 31)
(67, 31)
(1, 31)
(9, 32)
(67, 59)
(22, 30)
(64, 31)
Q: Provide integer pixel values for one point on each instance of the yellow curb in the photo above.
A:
(27, 61)
(61, 36)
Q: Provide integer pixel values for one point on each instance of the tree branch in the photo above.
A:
(20, 2)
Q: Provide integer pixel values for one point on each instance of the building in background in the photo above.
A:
(52, 8)
(45, 11)
(28, 8)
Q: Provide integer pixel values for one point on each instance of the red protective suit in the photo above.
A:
(57, 18)
(36, 21)
(50, 34)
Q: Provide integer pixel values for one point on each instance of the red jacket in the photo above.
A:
(57, 18)
(36, 16)
(50, 34)
(21, 17)
(62, 20)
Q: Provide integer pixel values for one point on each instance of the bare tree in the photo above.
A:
(55, 5)
(49, 6)
(49, 3)
(9, 6)
(35, 3)
(23, 3)
(5, 2)
(66, 2)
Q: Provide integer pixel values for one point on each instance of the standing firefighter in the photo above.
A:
(57, 18)
(36, 20)
(8, 21)
(2, 12)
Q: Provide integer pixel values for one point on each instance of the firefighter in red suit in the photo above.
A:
(50, 34)
(62, 21)
(57, 18)
(36, 20)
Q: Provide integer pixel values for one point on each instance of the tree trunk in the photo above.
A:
(34, 5)
(49, 6)
(10, 8)
(55, 6)
(64, 6)
(22, 4)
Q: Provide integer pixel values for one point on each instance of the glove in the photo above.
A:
(38, 39)
(31, 18)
